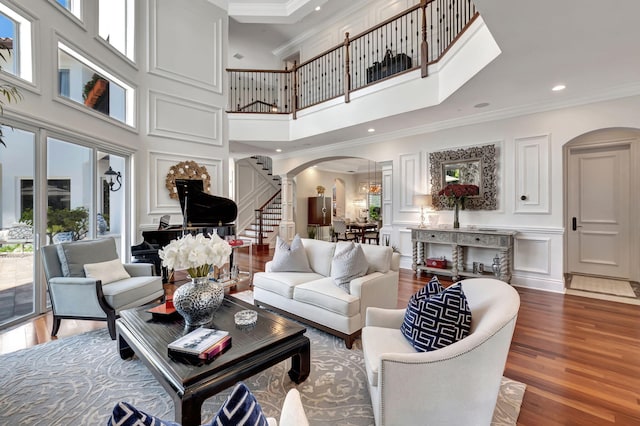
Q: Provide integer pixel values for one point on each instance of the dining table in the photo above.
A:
(361, 227)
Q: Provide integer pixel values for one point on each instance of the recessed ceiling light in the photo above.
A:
(481, 105)
(317, 8)
(558, 87)
(371, 130)
(278, 150)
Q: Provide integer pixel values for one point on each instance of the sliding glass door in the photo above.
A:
(73, 192)
(17, 176)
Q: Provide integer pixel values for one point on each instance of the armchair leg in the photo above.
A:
(56, 326)
(111, 324)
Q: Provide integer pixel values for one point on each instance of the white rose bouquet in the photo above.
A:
(195, 254)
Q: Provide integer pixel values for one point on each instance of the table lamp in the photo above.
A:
(422, 200)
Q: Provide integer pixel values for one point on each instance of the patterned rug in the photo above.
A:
(77, 381)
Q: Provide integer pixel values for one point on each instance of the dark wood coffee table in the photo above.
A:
(272, 340)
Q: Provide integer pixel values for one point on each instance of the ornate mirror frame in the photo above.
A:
(486, 157)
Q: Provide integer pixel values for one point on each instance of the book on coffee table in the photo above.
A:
(200, 341)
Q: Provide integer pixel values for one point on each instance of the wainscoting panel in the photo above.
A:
(532, 254)
(538, 259)
(171, 53)
(532, 174)
(184, 119)
(159, 164)
(410, 173)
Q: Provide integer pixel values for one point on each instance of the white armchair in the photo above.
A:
(455, 385)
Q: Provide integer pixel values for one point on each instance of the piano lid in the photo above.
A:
(202, 208)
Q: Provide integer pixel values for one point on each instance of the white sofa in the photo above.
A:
(314, 298)
(455, 385)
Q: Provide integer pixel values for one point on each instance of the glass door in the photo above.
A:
(17, 176)
(69, 192)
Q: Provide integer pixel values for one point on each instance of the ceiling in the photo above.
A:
(590, 46)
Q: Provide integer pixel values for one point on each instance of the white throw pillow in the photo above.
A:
(348, 263)
(290, 258)
(107, 272)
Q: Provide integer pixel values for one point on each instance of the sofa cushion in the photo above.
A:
(283, 283)
(75, 254)
(319, 254)
(129, 291)
(378, 257)
(325, 294)
(290, 258)
(347, 264)
(382, 340)
(436, 322)
(107, 272)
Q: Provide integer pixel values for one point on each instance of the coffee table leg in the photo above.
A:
(123, 348)
(188, 411)
(301, 364)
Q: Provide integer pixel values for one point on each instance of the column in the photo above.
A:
(287, 229)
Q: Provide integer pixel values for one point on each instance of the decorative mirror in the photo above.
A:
(186, 170)
(472, 166)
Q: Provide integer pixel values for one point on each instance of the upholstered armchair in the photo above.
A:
(87, 281)
(454, 385)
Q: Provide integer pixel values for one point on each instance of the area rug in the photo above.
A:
(602, 285)
(77, 381)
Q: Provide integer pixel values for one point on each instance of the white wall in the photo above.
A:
(539, 244)
(179, 79)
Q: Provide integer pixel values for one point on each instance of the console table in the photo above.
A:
(460, 239)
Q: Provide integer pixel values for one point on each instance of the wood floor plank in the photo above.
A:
(579, 357)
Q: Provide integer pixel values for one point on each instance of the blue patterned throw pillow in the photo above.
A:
(432, 288)
(432, 323)
(125, 414)
(241, 408)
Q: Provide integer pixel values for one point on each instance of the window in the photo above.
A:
(58, 194)
(73, 6)
(15, 37)
(116, 24)
(88, 84)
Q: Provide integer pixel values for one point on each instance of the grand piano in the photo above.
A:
(202, 213)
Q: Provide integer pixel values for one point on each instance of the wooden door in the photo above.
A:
(598, 211)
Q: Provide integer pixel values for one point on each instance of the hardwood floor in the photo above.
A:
(579, 357)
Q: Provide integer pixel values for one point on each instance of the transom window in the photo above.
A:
(15, 38)
(73, 6)
(86, 83)
(116, 24)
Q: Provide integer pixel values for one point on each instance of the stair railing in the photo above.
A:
(415, 38)
(261, 221)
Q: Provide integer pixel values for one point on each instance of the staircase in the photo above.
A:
(265, 225)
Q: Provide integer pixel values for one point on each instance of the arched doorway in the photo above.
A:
(600, 183)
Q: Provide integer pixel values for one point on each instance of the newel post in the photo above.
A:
(347, 73)
(294, 92)
(424, 60)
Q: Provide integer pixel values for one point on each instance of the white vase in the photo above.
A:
(198, 300)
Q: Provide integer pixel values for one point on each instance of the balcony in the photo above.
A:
(409, 62)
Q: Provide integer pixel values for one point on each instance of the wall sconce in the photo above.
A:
(111, 173)
(422, 200)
